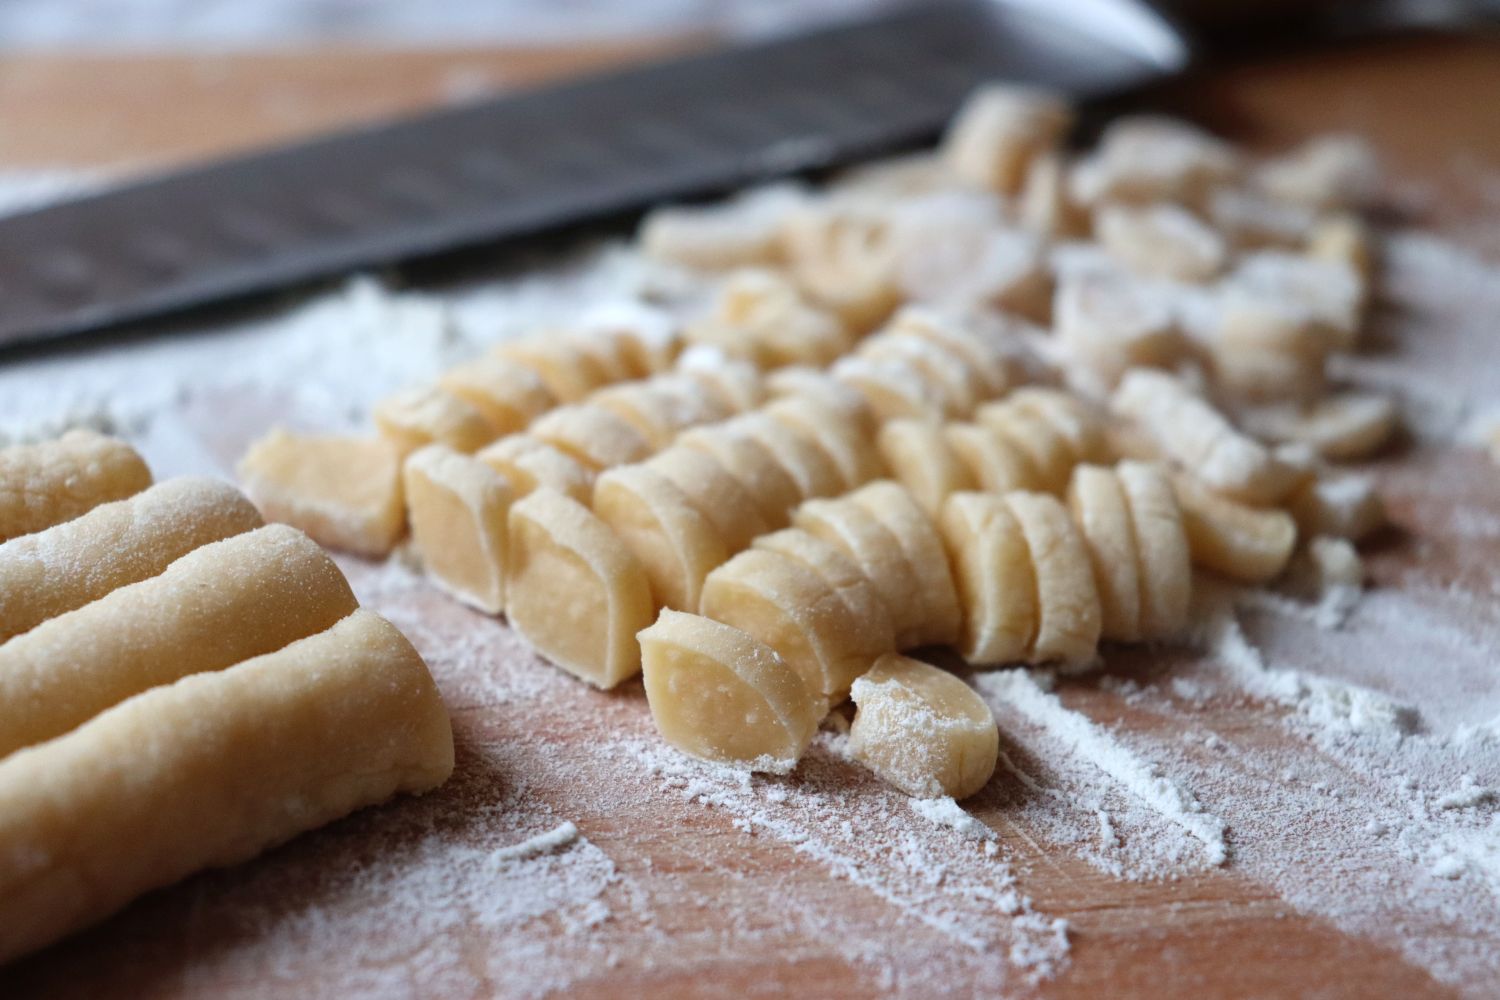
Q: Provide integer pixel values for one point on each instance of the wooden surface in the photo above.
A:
(1214, 934)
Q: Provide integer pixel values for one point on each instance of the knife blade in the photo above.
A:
(519, 165)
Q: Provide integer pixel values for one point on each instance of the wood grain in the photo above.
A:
(1213, 935)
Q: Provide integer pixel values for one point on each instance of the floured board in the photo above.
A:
(1359, 839)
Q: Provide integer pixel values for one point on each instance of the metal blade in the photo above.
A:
(554, 157)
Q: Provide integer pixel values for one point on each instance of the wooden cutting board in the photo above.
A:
(695, 902)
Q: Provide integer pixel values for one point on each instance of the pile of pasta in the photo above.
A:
(181, 686)
(1002, 397)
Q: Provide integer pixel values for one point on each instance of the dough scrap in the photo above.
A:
(219, 604)
(575, 590)
(719, 694)
(457, 506)
(55, 481)
(211, 771)
(50, 572)
(345, 492)
(1241, 542)
(922, 729)
(995, 581)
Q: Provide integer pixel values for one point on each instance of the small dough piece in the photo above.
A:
(55, 481)
(809, 466)
(719, 694)
(736, 384)
(1243, 543)
(717, 494)
(762, 317)
(1270, 347)
(917, 451)
(457, 506)
(1080, 425)
(878, 554)
(1109, 323)
(575, 591)
(1048, 455)
(217, 605)
(509, 395)
(791, 608)
(1000, 130)
(423, 415)
(1069, 618)
(345, 492)
(822, 388)
(51, 572)
(960, 387)
(1343, 427)
(676, 544)
(932, 577)
(1045, 206)
(1149, 158)
(648, 338)
(1340, 505)
(212, 770)
(1098, 505)
(661, 408)
(1346, 240)
(1200, 439)
(595, 436)
(560, 361)
(1162, 241)
(923, 730)
(743, 231)
(1337, 564)
(1327, 172)
(996, 464)
(843, 257)
(529, 463)
(996, 583)
(1161, 543)
(876, 632)
(893, 388)
(751, 462)
(989, 358)
(852, 450)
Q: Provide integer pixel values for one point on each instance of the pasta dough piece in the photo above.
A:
(426, 414)
(917, 451)
(751, 462)
(1148, 158)
(575, 591)
(1328, 171)
(999, 130)
(676, 544)
(345, 492)
(648, 338)
(1047, 455)
(1343, 506)
(457, 506)
(1162, 240)
(1270, 348)
(737, 385)
(996, 464)
(211, 771)
(1080, 426)
(1343, 427)
(960, 388)
(718, 694)
(1198, 437)
(809, 466)
(661, 408)
(893, 389)
(841, 253)
(853, 452)
(569, 372)
(741, 232)
(987, 357)
(717, 495)
(55, 481)
(996, 583)
(508, 395)
(932, 577)
(1345, 240)
(1098, 505)
(762, 317)
(68, 565)
(792, 609)
(1068, 613)
(876, 631)
(923, 730)
(217, 605)
(1162, 547)
(1243, 543)
(1109, 324)
(1046, 206)
(529, 463)
(823, 389)
(593, 435)
(877, 552)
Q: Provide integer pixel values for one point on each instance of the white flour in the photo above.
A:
(1351, 772)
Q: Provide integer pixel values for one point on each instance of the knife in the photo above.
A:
(519, 165)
